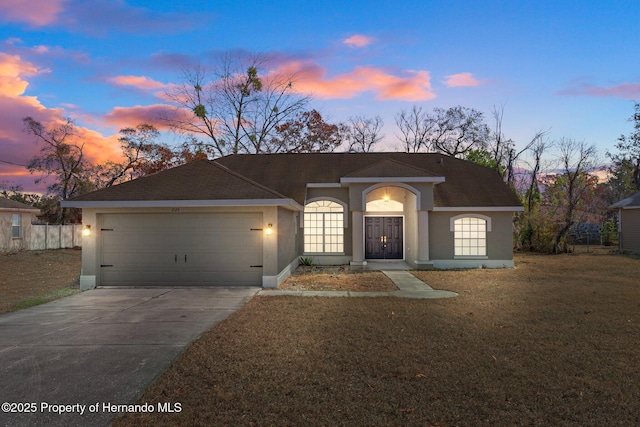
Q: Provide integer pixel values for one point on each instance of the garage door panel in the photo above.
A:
(193, 249)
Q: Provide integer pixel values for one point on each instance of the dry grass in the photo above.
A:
(33, 277)
(553, 342)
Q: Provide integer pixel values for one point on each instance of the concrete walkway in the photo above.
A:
(409, 286)
(100, 347)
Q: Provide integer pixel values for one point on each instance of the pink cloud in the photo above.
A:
(358, 40)
(155, 115)
(140, 82)
(312, 78)
(34, 12)
(12, 68)
(461, 80)
(18, 147)
(625, 90)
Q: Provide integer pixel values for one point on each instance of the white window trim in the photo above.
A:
(19, 236)
(453, 219)
(487, 219)
(345, 210)
(344, 223)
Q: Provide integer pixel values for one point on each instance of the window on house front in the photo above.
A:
(470, 236)
(323, 227)
(15, 226)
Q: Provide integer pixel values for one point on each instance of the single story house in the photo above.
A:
(15, 224)
(247, 219)
(628, 223)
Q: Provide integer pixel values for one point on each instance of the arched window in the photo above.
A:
(323, 227)
(470, 236)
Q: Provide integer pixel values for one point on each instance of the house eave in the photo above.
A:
(478, 209)
(19, 210)
(285, 203)
(324, 185)
(368, 180)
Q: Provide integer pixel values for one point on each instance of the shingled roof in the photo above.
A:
(466, 184)
(198, 180)
(630, 202)
(285, 176)
(388, 168)
(12, 205)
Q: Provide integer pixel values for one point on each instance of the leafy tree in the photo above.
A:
(237, 105)
(307, 132)
(484, 158)
(134, 143)
(364, 133)
(15, 192)
(143, 155)
(625, 170)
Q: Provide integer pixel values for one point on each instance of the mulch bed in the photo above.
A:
(553, 342)
(337, 278)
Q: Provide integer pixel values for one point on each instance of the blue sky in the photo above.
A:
(572, 67)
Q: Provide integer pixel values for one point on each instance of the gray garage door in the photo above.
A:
(180, 249)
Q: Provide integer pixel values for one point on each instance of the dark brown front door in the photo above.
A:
(383, 237)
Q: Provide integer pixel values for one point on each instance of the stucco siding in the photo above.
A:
(630, 221)
(287, 233)
(7, 242)
(499, 239)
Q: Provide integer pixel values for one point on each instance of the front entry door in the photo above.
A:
(383, 237)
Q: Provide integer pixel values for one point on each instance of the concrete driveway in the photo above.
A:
(99, 348)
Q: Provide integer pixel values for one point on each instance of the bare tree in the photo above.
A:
(533, 191)
(364, 133)
(237, 104)
(570, 188)
(457, 130)
(415, 127)
(59, 156)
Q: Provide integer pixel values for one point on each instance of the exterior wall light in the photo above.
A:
(386, 198)
(269, 229)
(86, 230)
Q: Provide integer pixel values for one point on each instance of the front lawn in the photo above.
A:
(554, 342)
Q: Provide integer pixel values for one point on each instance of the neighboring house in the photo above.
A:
(628, 223)
(246, 219)
(15, 224)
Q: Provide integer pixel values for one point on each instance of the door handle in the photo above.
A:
(176, 258)
(185, 258)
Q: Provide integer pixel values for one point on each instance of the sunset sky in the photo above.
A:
(572, 67)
